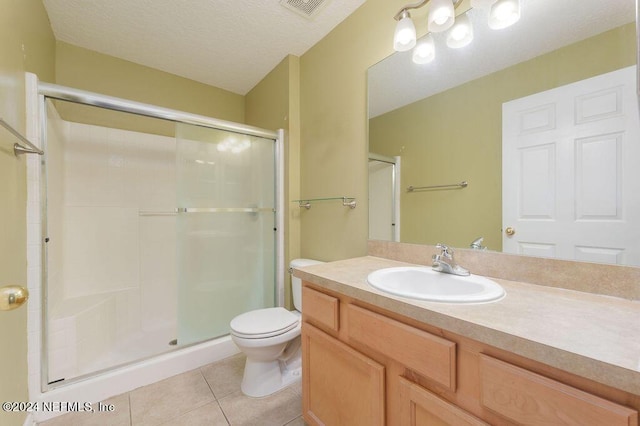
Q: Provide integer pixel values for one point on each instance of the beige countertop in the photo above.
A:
(590, 335)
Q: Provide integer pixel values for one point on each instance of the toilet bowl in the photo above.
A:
(270, 339)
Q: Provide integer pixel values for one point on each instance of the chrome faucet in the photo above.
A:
(477, 244)
(444, 262)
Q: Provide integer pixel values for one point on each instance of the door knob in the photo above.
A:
(12, 297)
(509, 231)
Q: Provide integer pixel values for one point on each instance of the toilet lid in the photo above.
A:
(263, 323)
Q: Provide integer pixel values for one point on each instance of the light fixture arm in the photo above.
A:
(418, 5)
(408, 7)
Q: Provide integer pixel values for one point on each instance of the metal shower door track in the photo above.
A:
(118, 104)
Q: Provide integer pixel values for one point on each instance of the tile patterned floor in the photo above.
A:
(206, 396)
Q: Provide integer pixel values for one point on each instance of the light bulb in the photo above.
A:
(458, 33)
(461, 33)
(441, 15)
(425, 50)
(504, 13)
(405, 34)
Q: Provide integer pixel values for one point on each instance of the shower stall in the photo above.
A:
(157, 228)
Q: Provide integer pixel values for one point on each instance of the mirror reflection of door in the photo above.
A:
(570, 178)
(384, 201)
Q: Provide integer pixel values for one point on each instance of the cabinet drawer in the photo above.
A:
(529, 398)
(418, 406)
(430, 356)
(320, 309)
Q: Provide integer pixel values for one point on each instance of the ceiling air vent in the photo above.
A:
(305, 8)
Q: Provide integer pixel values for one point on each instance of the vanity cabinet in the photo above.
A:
(365, 365)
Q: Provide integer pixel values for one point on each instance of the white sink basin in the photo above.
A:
(421, 282)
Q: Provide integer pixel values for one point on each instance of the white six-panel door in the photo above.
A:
(571, 171)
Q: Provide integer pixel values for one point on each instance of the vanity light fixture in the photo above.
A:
(504, 13)
(441, 17)
(405, 35)
(461, 33)
(425, 50)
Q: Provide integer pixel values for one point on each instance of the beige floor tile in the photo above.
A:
(224, 377)
(274, 410)
(118, 417)
(169, 398)
(187, 399)
(207, 415)
(297, 387)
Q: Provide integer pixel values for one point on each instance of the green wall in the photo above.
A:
(26, 44)
(95, 72)
(333, 98)
(274, 103)
(457, 135)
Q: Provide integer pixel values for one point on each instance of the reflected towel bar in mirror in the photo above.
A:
(26, 147)
(462, 184)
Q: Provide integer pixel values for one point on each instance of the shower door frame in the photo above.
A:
(54, 91)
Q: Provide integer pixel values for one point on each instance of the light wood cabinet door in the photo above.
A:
(419, 407)
(340, 385)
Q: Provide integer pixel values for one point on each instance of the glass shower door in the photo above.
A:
(225, 229)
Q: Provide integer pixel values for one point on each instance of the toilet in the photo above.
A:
(270, 338)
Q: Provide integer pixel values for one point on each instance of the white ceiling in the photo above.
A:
(545, 25)
(230, 44)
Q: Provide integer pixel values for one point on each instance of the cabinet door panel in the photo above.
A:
(419, 407)
(340, 385)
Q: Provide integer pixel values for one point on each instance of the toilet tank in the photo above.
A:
(296, 283)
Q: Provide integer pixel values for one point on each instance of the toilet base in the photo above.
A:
(262, 378)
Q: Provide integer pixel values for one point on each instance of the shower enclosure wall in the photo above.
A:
(152, 240)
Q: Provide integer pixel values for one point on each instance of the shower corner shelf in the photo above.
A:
(346, 201)
(25, 147)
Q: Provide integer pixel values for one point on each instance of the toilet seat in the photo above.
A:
(263, 323)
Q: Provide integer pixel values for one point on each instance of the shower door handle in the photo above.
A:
(12, 297)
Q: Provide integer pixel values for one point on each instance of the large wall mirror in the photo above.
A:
(539, 119)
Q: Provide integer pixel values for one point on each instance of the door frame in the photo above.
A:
(395, 185)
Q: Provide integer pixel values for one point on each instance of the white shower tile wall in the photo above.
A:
(112, 252)
(62, 348)
(157, 254)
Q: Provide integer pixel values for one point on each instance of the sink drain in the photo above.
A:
(173, 342)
